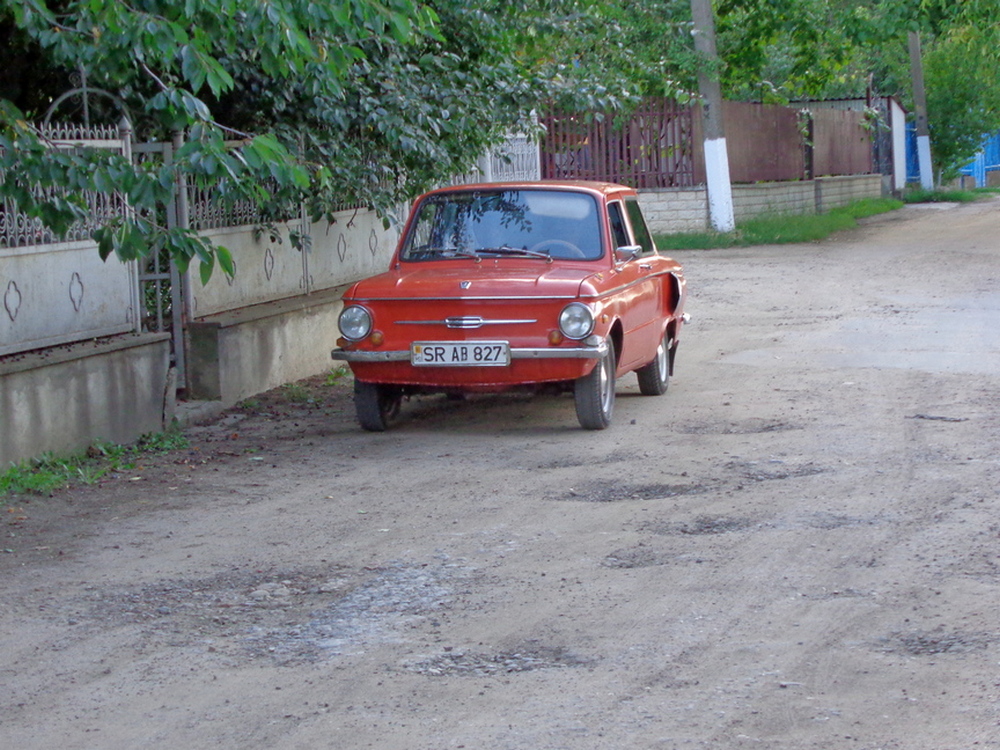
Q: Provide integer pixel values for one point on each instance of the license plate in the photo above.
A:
(461, 354)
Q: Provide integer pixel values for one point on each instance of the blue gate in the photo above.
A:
(987, 160)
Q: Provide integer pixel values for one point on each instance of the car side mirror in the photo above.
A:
(625, 253)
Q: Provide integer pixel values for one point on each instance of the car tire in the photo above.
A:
(376, 405)
(595, 393)
(654, 378)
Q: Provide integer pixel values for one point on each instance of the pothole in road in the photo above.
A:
(830, 521)
(613, 492)
(575, 462)
(286, 616)
(831, 594)
(773, 470)
(644, 557)
(528, 659)
(368, 613)
(920, 643)
(704, 525)
(746, 427)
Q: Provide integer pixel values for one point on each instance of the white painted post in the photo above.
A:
(720, 191)
(920, 104)
(125, 136)
(924, 159)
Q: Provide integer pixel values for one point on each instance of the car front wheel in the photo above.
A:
(376, 405)
(595, 393)
(654, 378)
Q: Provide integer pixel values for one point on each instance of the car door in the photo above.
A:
(638, 288)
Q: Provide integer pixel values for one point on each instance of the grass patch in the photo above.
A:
(776, 230)
(296, 393)
(919, 195)
(870, 207)
(310, 391)
(46, 473)
(337, 375)
(780, 228)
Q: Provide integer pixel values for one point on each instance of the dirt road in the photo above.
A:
(797, 547)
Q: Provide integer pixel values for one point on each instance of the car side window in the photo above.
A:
(619, 231)
(639, 228)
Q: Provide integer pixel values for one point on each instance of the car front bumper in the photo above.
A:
(403, 355)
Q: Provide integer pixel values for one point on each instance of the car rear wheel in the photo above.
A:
(376, 405)
(654, 378)
(595, 393)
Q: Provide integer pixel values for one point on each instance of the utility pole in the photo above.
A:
(720, 191)
(920, 104)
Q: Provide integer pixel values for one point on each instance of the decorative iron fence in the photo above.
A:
(54, 292)
(18, 230)
(57, 291)
(207, 213)
(515, 160)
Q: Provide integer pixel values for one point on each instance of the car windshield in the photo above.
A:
(538, 224)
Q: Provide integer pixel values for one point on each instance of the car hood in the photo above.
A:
(475, 280)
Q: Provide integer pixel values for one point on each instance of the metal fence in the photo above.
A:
(17, 230)
(765, 143)
(841, 143)
(659, 145)
(161, 285)
(877, 121)
(59, 291)
(515, 160)
(651, 148)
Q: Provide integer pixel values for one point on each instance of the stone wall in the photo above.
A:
(675, 210)
(268, 269)
(833, 192)
(773, 198)
(261, 329)
(236, 354)
(65, 398)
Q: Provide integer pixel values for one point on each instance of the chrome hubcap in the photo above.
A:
(661, 359)
(607, 385)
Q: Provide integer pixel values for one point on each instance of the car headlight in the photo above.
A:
(355, 322)
(576, 321)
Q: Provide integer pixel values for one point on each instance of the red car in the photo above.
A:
(541, 285)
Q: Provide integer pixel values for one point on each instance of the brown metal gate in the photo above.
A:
(650, 148)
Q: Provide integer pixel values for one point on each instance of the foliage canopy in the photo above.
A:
(313, 102)
(282, 102)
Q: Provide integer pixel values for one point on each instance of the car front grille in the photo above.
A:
(468, 322)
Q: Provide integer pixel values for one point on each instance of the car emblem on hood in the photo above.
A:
(465, 284)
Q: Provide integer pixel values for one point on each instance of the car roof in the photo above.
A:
(591, 186)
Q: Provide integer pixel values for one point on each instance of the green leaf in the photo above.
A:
(193, 67)
(105, 244)
(219, 80)
(206, 268)
(225, 260)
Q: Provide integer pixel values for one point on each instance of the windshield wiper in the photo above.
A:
(508, 250)
(454, 252)
(427, 251)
